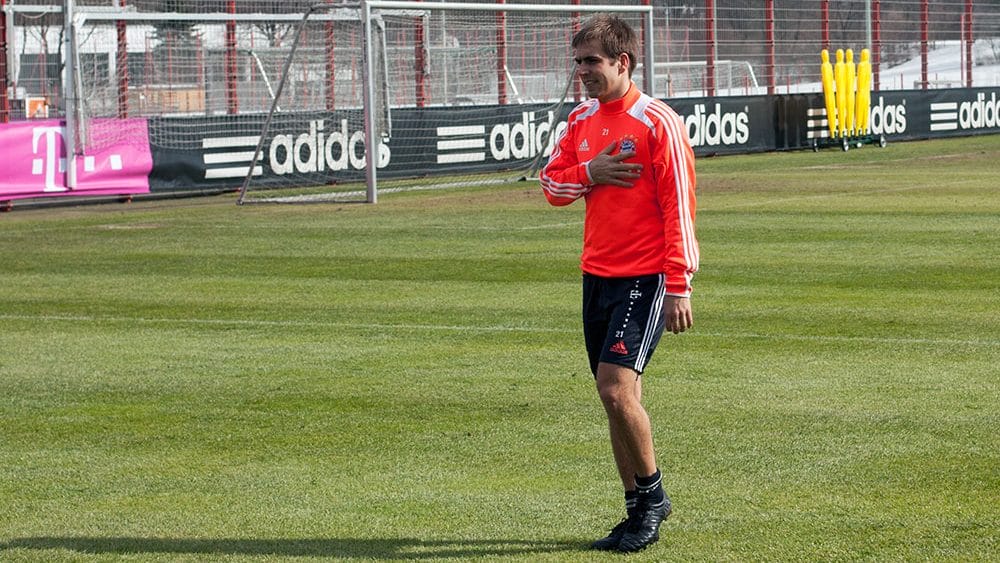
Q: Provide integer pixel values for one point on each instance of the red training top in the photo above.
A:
(649, 227)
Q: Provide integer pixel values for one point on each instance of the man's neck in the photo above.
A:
(617, 94)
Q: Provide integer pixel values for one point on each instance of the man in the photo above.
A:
(628, 156)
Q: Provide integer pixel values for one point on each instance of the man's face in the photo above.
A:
(604, 78)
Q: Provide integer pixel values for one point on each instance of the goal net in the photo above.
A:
(451, 94)
(688, 79)
(197, 80)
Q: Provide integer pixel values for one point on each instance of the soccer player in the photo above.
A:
(628, 156)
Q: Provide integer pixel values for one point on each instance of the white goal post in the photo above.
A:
(451, 94)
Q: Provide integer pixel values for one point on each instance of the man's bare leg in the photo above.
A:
(620, 390)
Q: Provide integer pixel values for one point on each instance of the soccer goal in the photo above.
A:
(688, 78)
(385, 96)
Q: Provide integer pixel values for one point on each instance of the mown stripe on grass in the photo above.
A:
(987, 343)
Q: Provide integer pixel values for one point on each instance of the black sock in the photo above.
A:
(650, 489)
(631, 502)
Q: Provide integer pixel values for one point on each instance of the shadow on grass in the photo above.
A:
(402, 548)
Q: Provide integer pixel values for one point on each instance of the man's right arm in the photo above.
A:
(564, 178)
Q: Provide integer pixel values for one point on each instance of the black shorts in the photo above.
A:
(622, 319)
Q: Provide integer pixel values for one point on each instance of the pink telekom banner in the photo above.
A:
(33, 162)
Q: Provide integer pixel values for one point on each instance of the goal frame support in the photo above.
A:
(368, 94)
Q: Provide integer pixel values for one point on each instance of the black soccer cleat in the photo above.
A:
(611, 541)
(643, 530)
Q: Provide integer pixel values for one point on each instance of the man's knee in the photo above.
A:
(616, 386)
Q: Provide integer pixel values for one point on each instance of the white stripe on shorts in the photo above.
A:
(656, 311)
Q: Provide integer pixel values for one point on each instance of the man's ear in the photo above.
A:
(623, 58)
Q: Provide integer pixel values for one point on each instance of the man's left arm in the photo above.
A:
(675, 180)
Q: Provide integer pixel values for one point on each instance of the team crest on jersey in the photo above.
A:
(628, 143)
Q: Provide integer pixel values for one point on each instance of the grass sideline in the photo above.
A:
(189, 380)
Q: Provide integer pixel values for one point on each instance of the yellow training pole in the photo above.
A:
(829, 95)
(864, 101)
(852, 75)
(840, 77)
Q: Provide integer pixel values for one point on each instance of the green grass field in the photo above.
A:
(189, 380)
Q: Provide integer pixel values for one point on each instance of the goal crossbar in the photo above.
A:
(413, 5)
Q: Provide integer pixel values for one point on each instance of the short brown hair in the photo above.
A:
(614, 34)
